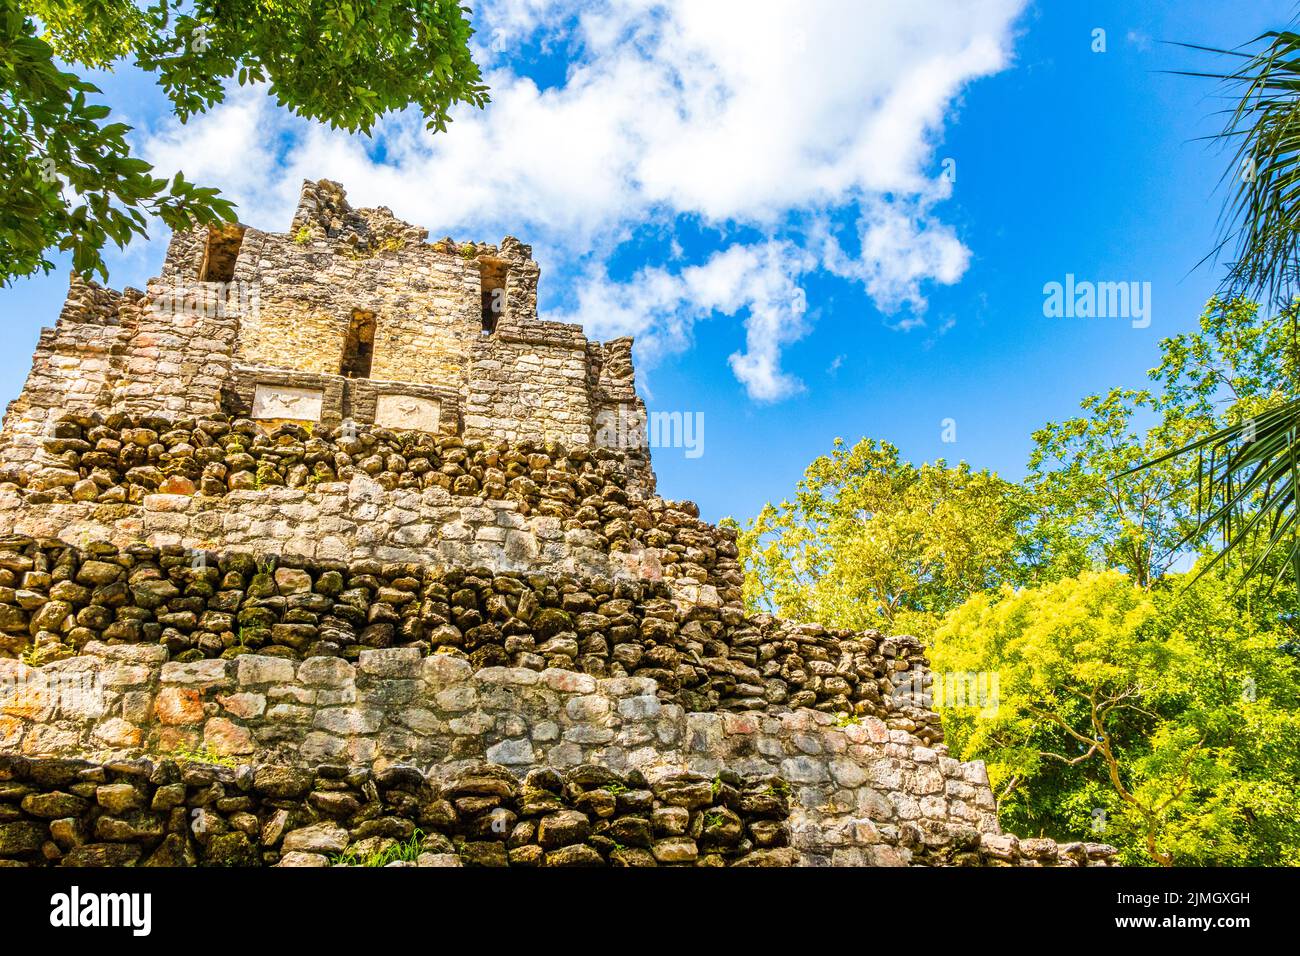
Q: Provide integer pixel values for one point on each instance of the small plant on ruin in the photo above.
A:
(843, 719)
(265, 475)
(713, 819)
(393, 244)
(407, 851)
(201, 754)
(777, 788)
(302, 236)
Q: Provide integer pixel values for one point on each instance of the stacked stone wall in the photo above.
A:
(56, 601)
(531, 380)
(166, 813)
(71, 371)
(76, 813)
(859, 793)
(116, 350)
(123, 457)
(409, 497)
(184, 336)
(425, 306)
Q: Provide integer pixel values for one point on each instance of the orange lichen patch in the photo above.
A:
(30, 701)
(179, 705)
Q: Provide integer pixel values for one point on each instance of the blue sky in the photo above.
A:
(761, 203)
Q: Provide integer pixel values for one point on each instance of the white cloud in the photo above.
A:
(233, 146)
(660, 308)
(901, 246)
(751, 114)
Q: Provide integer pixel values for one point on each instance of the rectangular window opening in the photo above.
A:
(220, 253)
(359, 347)
(492, 273)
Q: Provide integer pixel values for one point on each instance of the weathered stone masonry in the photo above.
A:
(59, 600)
(263, 324)
(318, 550)
(139, 812)
(858, 794)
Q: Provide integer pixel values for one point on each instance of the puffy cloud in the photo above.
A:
(900, 246)
(660, 308)
(753, 115)
(233, 146)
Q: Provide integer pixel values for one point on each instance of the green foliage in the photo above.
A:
(1244, 365)
(1263, 135)
(94, 34)
(1096, 505)
(1085, 517)
(870, 540)
(403, 851)
(70, 181)
(31, 655)
(1170, 714)
(1248, 468)
(1163, 705)
(201, 754)
(1240, 363)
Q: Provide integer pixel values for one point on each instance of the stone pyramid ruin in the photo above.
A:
(323, 549)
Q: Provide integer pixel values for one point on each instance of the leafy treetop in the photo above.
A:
(71, 182)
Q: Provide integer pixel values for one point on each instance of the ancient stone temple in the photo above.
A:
(322, 549)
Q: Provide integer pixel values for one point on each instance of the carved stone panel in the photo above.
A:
(407, 413)
(285, 401)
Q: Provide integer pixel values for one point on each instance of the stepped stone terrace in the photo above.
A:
(325, 548)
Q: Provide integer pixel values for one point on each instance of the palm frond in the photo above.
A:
(1248, 475)
(1260, 224)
